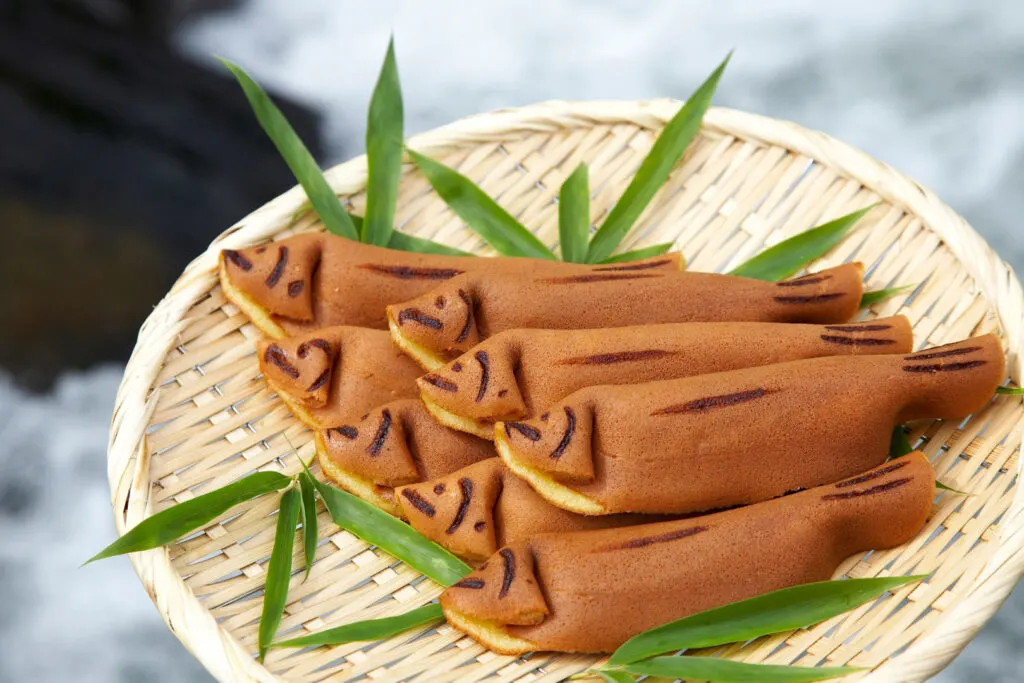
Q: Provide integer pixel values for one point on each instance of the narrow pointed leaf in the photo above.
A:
(789, 256)
(781, 610)
(729, 671)
(574, 215)
(637, 254)
(403, 242)
(879, 295)
(371, 629)
(1010, 391)
(299, 160)
(310, 524)
(391, 535)
(279, 570)
(184, 518)
(384, 135)
(483, 215)
(665, 153)
(940, 485)
(899, 444)
(615, 677)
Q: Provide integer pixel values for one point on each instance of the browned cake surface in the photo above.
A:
(738, 437)
(330, 375)
(479, 305)
(394, 444)
(518, 373)
(474, 511)
(316, 279)
(590, 591)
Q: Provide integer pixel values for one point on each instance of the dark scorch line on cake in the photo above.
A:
(570, 429)
(382, 434)
(944, 367)
(702, 405)
(441, 383)
(855, 341)
(929, 355)
(582, 279)
(857, 328)
(412, 273)
(635, 266)
(645, 541)
(347, 431)
(238, 259)
(275, 355)
(485, 373)
(469, 317)
(419, 502)
(531, 433)
(275, 274)
(617, 357)
(805, 280)
(475, 584)
(887, 486)
(295, 287)
(899, 464)
(320, 381)
(509, 560)
(418, 316)
(305, 346)
(817, 298)
(466, 487)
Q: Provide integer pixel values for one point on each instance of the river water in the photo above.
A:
(934, 88)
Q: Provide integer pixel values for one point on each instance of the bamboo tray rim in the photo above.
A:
(128, 459)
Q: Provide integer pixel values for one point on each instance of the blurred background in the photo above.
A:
(124, 150)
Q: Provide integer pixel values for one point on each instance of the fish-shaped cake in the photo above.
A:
(591, 591)
(461, 312)
(519, 373)
(315, 279)
(738, 437)
(391, 445)
(327, 375)
(474, 511)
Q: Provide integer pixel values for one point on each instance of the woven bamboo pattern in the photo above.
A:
(193, 413)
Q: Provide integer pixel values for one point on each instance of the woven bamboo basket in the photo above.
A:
(193, 413)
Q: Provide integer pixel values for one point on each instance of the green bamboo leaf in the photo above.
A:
(184, 518)
(369, 630)
(788, 256)
(279, 570)
(299, 160)
(384, 135)
(637, 254)
(615, 676)
(403, 242)
(391, 535)
(673, 140)
(310, 524)
(729, 671)
(781, 610)
(940, 485)
(574, 215)
(482, 214)
(899, 444)
(879, 295)
(1010, 391)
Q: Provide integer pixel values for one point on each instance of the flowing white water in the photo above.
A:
(934, 88)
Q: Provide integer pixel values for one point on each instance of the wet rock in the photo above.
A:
(121, 161)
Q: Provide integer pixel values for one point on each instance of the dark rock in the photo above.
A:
(119, 161)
